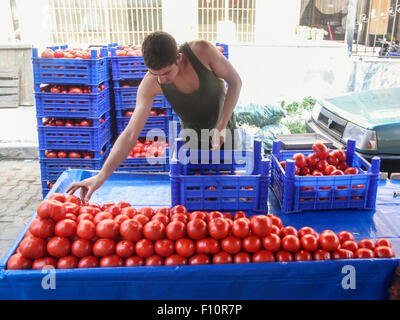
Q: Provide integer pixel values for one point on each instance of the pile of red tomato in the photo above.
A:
(69, 234)
(146, 148)
(50, 154)
(68, 53)
(69, 122)
(153, 112)
(64, 88)
(321, 162)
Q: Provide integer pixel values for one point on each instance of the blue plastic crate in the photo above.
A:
(155, 126)
(220, 185)
(125, 98)
(123, 67)
(302, 193)
(75, 138)
(70, 71)
(158, 164)
(72, 105)
(51, 169)
(226, 49)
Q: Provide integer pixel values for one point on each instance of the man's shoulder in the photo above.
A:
(200, 45)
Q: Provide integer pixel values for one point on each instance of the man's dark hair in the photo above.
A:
(159, 50)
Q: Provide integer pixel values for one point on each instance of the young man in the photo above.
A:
(192, 79)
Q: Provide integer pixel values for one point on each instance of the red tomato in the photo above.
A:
(339, 154)
(288, 230)
(42, 228)
(81, 248)
(239, 214)
(178, 208)
(342, 165)
(271, 242)
(321, 165)
(58, 247)
(75, 90)
(123, 204)
(65, 228)
(74, 155)
(305, 230)
(317, 173)
(304, 171)
(144, 248)
(175, 230)
(32, 247)
(125, 249)
(312, 159)
(321, 254)
(141, 219)
(185, 247)
(102, 216)
(283, 256)
(328, 241)
(383, 242)
(344, 236)
(86, 229)
(164, 247)
(309, 242)
(337, 173)
(342, 254)
(364, 253)
(165, 210)
(129, 211)
(134, 262)
(242, 257)
(175, 260)
(103, 247)
(41, 263)
(198, 214)
(218, 228)
(321, 150)
(241, 227)
(199, 259)
(251, 244)
(154, 260)
(366, 243)
(107, 228)
(329, 169)
(147, 211)
(207, 246)
(261, 225)
(276, 221)
(231, 244)
(71, 207)
(227, 215)
(68, 262)
(332, 160)
(349, 245)
(197, 229)
(18, 261)
(180, 217)
(351, 170)
(154, 230)
(222, 257)
(290, 243)
(384, 252)
(303, 255)
(120, 218)
(107, 204)
(164, 219)
(131, 230)
(114, 210)
(213, 214)
(57, 196)
(47, 53)
(275, 230)
(51, 209)
(300, 159)
(84, 216)
(263, 256)
(111, 261)
(88, 262)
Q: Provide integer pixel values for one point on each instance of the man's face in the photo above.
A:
(167, 74)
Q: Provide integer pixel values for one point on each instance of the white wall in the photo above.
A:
(6, 26)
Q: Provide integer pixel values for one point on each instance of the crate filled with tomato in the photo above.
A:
(63, 65)
(67, 234)
(220, 180)
(147, 156)
(54, 162)
(78, 101)
(323, 179)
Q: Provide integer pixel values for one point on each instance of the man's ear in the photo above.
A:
(179, 57)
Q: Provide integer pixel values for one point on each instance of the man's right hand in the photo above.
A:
(88, 186)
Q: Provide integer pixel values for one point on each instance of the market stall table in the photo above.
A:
(334, 279)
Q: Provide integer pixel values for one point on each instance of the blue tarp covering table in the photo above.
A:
(335, 279)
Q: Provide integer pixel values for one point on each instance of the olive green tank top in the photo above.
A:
(201, 109)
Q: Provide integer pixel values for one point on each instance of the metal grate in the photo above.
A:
(104, 21)
(240, 12)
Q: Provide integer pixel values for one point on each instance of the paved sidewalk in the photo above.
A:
(20, 194)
